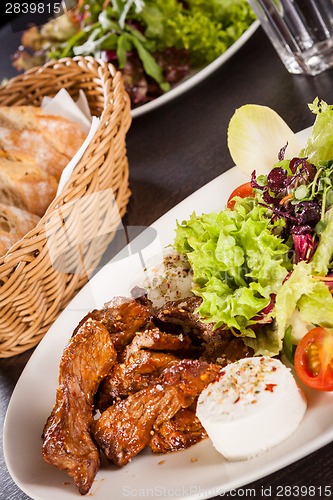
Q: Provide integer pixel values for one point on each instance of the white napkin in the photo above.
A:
(62, 104)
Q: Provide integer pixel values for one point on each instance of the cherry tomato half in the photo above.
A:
(314, 359)
(244, 190)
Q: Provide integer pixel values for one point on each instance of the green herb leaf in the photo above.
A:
(150, 65)
(288, 347)
(124, 45)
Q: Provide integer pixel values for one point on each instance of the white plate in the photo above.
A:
(197, 473)
(198, 76)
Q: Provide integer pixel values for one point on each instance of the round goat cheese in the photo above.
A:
(254, 405)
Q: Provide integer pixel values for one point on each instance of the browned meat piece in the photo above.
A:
(156, 340)
(224, 348)
(128, 378)
(122, 317)
(67, 442)
(139, 366)
(125, 428)
(218, 344)
(183, 313)
(180, 432)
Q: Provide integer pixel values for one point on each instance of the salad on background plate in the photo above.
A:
(157, 44)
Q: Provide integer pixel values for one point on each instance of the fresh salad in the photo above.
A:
(263, 266)
(155, 43)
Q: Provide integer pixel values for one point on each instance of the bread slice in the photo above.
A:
(30, 145)
(22, 126)
(64, 135)
(14, 224)
(25, 185)
(19, 117)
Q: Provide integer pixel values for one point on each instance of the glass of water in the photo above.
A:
(301, 32)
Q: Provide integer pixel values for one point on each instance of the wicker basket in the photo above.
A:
(36, 284)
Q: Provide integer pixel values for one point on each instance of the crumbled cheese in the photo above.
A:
(170, 279)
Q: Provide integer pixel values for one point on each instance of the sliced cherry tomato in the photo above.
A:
(244, 190)
(314, 359)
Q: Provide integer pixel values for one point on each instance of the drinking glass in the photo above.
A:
(301, 32)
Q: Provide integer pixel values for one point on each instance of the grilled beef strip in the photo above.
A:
(141, 364)
(182, 431)
(217, 343)
(126, 427)
(156, 340)
(122, 317)
(182, 314)
(67, 441)
(127, 378)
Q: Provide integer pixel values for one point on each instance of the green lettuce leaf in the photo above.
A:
(266, 341)
(237, 262)
(317, 307)
(303, 293)
(320, 144)
(323, 255)
(299, 283)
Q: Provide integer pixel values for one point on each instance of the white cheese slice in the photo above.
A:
(254, 405)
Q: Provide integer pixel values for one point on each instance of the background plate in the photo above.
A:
(198, 76)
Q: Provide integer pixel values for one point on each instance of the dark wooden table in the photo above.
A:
(173, 151)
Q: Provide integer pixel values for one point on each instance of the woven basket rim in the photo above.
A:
(106, 94)
(94, 63)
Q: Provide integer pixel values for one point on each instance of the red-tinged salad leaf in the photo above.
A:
(304, 246)
(301, 193)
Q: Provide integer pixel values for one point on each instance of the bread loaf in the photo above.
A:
(14, 224)
(25, 185)
(34, 149)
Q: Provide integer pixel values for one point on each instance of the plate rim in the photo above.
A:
(198, 76)
(231, 175)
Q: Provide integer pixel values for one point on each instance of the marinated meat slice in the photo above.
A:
(183, 313)
(225, 348)
(218, 344)
(67, 442)
(125, 428)
(180, 432)
(127, 378)
(139, 366)
(156, 340)
(122, 317)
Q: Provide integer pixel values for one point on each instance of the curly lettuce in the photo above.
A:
(238, 260)
(205, 29)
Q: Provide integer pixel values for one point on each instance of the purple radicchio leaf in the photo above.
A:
(304, 247)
